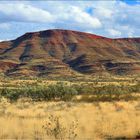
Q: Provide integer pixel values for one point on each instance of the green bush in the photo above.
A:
(65, 92)
(12, 94)
(61, 91)
(57, 91)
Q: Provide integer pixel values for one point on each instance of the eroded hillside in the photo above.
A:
(69, 53)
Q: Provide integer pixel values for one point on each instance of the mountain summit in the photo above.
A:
(65, 53)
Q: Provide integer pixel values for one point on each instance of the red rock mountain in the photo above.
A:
(65, 53)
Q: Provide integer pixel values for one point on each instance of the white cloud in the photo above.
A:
(79, 17)
(119, 18)
(104, 9)
(114, 32)
(108, 18)
(24, 12)
(106, 13)
(62, 15)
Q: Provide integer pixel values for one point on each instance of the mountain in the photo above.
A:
(69, 53)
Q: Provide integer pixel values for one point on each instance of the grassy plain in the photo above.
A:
(85, 116)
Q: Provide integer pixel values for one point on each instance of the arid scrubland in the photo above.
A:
(99, 110)
(25, 120)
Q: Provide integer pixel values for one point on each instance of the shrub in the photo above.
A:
(57, 91)
(60, 91)
(54, 128)
(65, 92)
(12, 94)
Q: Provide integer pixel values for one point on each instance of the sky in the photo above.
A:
(109, 18)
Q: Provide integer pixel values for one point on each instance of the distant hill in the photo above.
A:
(69, 53)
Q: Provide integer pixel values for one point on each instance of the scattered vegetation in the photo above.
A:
(37, 93)
(63, 91)
(52, 120)
(55, 129)
(109, 107)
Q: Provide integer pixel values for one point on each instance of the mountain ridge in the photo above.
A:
(69, 53)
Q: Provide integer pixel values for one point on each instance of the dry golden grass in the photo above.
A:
(20, 82)
(24, 119)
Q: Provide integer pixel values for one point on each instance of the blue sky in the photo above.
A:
(131, 2)
(110, 18)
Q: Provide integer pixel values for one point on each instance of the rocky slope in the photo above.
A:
(65, 53)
